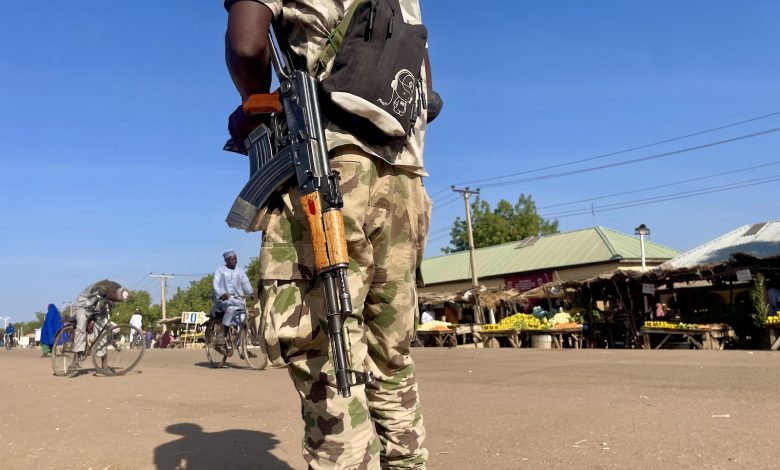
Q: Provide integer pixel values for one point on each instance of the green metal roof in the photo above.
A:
(579, 247)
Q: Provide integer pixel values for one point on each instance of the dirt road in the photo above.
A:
(486, 408)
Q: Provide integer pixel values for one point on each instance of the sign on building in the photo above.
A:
(526, 282)
(197, 318)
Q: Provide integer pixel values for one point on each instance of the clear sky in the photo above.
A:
(113, 116)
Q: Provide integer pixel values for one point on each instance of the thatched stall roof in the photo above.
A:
(494, 297)
(439, 297)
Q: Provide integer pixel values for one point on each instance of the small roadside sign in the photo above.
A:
(197, 318)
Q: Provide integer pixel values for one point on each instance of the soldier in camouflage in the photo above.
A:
(386, 213)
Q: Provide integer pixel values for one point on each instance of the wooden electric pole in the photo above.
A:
(163, 281)
(466, 193)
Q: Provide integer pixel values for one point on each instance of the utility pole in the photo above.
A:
(5, 322)
(466, 193)
(642, 231)
(163, 281)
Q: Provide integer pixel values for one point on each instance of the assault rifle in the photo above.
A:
(294, 146)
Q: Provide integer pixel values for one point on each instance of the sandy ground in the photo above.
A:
(486, 408)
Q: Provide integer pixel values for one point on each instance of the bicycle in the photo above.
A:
(112, 353)
(245, 335)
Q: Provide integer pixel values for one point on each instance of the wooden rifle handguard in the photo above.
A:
(263, 103)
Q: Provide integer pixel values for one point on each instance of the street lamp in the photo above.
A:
(642, 230)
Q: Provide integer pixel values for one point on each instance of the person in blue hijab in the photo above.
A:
(51, 324)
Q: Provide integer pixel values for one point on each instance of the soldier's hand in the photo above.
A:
(239, 126)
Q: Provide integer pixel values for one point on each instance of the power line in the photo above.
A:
(445, 203)
(139, 281)
(146, 284)
(665, 198)
(440, 237)
(652, 188)
(441, 191)
(634, 160)
(631, 149)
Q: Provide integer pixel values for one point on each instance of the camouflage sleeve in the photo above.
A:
(411, 11)
(274, 5)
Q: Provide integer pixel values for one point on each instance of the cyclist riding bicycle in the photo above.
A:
(94, 302)
(231, 285)
(10, 331)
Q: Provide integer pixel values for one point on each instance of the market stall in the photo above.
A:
(439, 338)
(773, 328)
(523, 329)
(437, 333)
(518, 338)
(713, 336)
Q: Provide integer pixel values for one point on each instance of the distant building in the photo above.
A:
(759, 241)
(529, 263)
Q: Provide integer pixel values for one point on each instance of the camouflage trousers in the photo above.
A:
(386, 214)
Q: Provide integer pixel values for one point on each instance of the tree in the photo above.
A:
(32, 325)
(506, 223)
(138, 299)
(253, 272)
(195, 298)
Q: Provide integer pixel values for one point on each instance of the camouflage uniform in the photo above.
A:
(386, 213)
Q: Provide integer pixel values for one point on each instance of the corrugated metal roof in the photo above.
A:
(761, 240)
(586, 246)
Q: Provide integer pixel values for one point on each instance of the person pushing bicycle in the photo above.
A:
(94, 302)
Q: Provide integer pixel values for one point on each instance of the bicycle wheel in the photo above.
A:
(216, 359)
(253, 345)
(62, 354)
(112, 354)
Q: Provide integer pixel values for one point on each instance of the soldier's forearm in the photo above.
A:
(246, 47)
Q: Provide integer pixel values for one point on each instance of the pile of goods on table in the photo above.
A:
(435, 325)
(527, 321)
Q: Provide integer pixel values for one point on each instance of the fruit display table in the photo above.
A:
(492, 338)
(774, 336)
(438, 338)
(469, 332)
(699, 338)
(516, 338)
(558, 335)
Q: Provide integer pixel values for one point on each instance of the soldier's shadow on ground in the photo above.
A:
(233, 449)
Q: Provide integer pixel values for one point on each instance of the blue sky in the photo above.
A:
(114, 114)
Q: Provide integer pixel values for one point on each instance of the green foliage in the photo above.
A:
(506, 223)
(253, 272)
(758, 300)
(195, 298)
(32, 325)
(139, 299)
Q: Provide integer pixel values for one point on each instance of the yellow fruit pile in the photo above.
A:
(491, 327)
(773, 320)
(660, 324)
(522, 321)
(675, 326)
